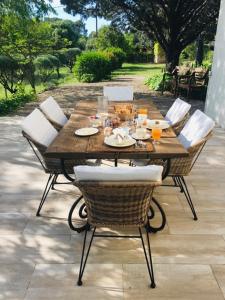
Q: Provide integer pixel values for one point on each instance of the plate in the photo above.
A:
(162, 124)
(112, 141)
(136, 137)
(86, 131)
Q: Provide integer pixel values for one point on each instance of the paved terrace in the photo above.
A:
(39, 257)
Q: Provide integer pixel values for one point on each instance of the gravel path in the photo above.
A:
(68, 95)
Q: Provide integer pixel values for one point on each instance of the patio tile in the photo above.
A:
(12, 294)
(36, 249)
(188, 249)
(107, 276)
(47, 226)
(173, 282)
(219, 272)
(208, 223)
(74, 293)
(12, 223)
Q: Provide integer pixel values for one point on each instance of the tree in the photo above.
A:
(68, 57)
(109, 36)
(66, 33)
(24, 40)
(46, 65)
(25, 8)
(10, 74)
(174, 23)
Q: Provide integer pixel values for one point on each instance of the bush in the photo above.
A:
(10, 74)
(155, 82)
(92, 66)
(17, 100)
(46, 64)
(69, 56)
(117, 57)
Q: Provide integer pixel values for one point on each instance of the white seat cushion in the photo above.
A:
(148, 173)
(196, 129)
(53, 111)
(39, 128)
(177, 111)
(118, 93)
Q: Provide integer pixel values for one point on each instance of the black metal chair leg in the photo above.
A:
(188, 197)
(54, 181)
(179, 182)
(83, 262)
(148, 261)
(45, 193)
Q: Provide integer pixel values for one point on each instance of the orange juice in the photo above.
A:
(143, 111)
(156, 133)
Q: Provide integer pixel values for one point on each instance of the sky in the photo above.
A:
(90, 23)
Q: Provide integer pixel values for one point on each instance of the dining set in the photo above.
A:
(142, 148)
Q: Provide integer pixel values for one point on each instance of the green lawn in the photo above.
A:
(66, 78)
(139, 69)
(142, 69)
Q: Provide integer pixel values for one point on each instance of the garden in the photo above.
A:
(38, 53)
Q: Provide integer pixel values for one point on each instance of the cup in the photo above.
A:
(102, 108)
(156, 134)
(141, 132)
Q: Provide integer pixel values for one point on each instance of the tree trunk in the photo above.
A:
(172, 59)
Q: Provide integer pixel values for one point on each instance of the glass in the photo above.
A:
(156, 135)
(102, 108)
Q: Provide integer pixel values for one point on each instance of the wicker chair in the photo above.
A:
(118, 93)
(54, 113)
(113, 199)
(194, 136)
(39, 138)
(178, 115)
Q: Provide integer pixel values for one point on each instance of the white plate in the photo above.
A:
(86, 131)
(162, 124)
(136, 137)
(112, 141)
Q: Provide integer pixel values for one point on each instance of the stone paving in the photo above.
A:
(39, 257)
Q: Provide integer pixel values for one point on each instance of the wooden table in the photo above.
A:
(68, 146)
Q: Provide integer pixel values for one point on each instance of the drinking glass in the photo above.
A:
(102, 108)
(156, 135)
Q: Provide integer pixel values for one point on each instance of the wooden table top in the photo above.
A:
(69, 146)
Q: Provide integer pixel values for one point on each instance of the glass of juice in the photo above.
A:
(156, 135)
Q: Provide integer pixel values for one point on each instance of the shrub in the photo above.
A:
(11, 104)
(10, 74)
(92, 66)
(117, 57)
(69, 56)
(46, 64)
(155, 82)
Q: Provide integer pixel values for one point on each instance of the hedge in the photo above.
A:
(92, 66)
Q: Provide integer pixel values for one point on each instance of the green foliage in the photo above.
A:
(189, 53)
(117, 57)
(45, 65)
(67, 33)
(17, 100)
(155, 82)
(109, 36)
(10, 74)
(158, 52)
(68, 57)
(92, 66)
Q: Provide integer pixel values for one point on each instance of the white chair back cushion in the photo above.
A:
(148, 173)
(196, 129)
(39, 128)
(177, 111)
(118, 93)
(53, 111)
